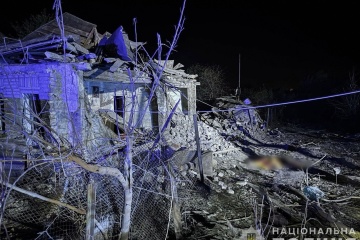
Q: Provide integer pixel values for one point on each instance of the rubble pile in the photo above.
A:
(235, 119)
(240, 190)
(246, 194)
(81, 45)
(93, 84)
(230, 158)
(182, 135)
(231, 120)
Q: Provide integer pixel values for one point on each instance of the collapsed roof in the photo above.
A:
(101, 56)
(84, 31)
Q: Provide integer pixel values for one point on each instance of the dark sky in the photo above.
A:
(281, 42)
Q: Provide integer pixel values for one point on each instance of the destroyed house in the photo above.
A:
(60, 77)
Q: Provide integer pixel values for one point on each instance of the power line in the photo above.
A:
(274, 104)
(288, 103)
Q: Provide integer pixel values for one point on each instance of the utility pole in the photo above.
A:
(239, 87)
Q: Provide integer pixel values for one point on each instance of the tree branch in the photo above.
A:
(99, 169)
(35, 195)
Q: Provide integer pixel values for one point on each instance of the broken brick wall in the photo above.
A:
(118, 96)
(64, 108)
(172, 92)
(24, 90)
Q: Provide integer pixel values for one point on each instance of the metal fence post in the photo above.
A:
(90, 214)
(197, 138)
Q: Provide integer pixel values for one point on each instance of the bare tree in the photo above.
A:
(212, 80)
(348, 106)
(32, 23)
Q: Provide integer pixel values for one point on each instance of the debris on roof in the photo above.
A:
(171, 72)
(233, 118)
(84, 32)
(118, 41)
(106, 57)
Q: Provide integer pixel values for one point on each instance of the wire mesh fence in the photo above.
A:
(50, 220)
(67, 182)
(48, 179)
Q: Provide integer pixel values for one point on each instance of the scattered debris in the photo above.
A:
(313, 193)
(337, 171)
(254, 176)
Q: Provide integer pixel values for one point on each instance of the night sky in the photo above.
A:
(281, 42)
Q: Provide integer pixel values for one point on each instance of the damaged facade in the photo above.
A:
(254, 176)
(77, 93)
(98, 72)
(76, 97)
